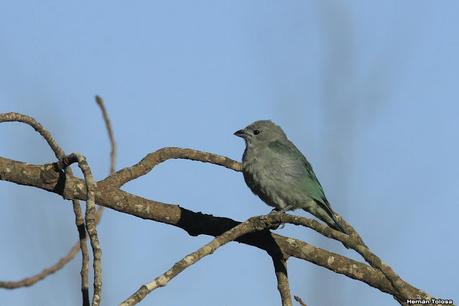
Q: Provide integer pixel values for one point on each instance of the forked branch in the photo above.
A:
(108, 193)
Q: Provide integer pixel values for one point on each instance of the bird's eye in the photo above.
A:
(256, 132)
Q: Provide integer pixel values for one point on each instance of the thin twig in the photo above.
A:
(299, 300)
(280, 267)
(29, 281)
(90, 218)
(79, 221)
(351, 242)
(151, 160)
(251, 225)
(111, 137)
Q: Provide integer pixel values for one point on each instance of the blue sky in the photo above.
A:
(368, 91)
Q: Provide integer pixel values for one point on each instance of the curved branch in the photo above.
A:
(59, 153)
(299, 300)
(350, 242)
(251, 225)
(48, 178)
(29, 281)
(111, 136)
(280, 267)
(151, 160)
(90, 219)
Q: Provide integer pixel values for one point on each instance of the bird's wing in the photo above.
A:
(298, 166)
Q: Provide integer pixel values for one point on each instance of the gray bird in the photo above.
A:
(276, 171)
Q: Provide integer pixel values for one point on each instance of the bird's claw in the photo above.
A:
(275, 211)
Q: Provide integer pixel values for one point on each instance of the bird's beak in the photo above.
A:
(240, 133)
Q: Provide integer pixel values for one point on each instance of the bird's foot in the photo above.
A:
(284, 209)
(274, 211)
(277, 211)
(281, 211)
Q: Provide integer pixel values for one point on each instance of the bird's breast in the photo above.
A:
(264, 179)
(277, 180)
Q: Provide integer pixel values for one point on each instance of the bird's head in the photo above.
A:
(261, 132)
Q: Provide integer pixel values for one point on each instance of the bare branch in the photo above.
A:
(90, 219)
(16, 117)
(111, 137)
(107, 193)
(253, 224)
(280, 267)
(29, 281)
(47, 177)
(299, 300)
(59, 153)
(349, 241)
(151, 160)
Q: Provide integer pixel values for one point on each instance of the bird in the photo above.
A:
(280, 175)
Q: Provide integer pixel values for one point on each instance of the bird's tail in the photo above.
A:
(328, 216)
(336, 224)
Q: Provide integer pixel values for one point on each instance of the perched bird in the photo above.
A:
(276, 171)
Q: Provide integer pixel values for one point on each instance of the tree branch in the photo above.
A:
(151, 160)
(405, 292)
(90, 218)
(253, 224)
(111, 135)
(48, 177)
(280, 267)
(29, 281)
(59, 153)
(299, 300)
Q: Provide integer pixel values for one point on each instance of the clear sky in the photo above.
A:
(368, 91)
